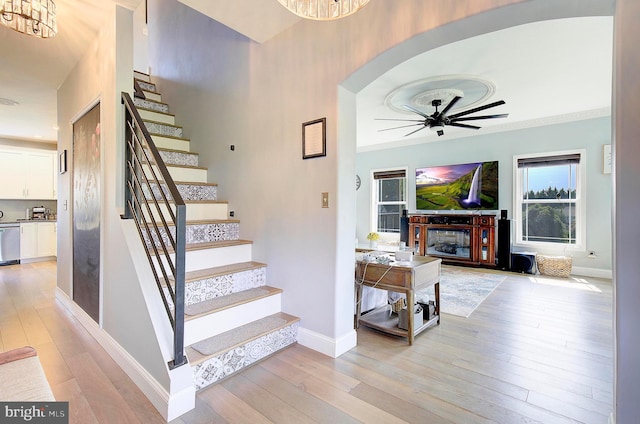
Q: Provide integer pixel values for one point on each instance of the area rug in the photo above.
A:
(462, 290)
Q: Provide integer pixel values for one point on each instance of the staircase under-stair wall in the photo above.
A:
(233, 318)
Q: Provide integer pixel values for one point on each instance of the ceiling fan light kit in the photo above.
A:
(439, 119)
(323, 10)
(31, 17)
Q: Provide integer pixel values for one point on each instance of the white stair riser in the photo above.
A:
(141, 76)
(219, 256)
(153, 96)
(158, 117)
(171, 143)
(195, 212)
(213, 324)
(195, 175)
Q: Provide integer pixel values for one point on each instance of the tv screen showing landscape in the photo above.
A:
(463, 186)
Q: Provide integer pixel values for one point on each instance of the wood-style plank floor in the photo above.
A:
(537, 350)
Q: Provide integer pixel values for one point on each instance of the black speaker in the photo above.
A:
(503, 214)
(504, 244)
(404, 227)
(524, 262)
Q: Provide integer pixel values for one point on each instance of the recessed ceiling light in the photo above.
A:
(7, 102)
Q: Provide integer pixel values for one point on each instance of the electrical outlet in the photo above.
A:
(232, 214)
(325, 199)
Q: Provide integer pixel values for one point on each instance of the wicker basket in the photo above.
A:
(555, 266)
(398, 305)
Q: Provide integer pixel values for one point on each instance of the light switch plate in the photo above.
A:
(325, 199)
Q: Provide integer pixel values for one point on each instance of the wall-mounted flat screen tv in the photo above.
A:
(464, 186)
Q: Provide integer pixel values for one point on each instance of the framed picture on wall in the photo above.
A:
(314, 138)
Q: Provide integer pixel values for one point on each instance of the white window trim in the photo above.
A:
(374, 201)
(581, 205)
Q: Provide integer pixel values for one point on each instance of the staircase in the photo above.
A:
(232, 317)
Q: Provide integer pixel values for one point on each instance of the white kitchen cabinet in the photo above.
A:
(38, 239)
(27, 174)
(28, 240)
(11, 175)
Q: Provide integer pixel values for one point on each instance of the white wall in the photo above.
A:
(626, 153)
(227, 90)
(104, 71)
(589, 134)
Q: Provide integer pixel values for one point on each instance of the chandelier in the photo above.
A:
(323, 10)
(31, 17)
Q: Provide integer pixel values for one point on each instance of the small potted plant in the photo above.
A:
(373, 238)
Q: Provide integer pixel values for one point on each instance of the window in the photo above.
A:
(389, 199)
(549, 200)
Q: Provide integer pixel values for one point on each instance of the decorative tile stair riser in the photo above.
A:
(233, 359)
(153, 105)
(188, 191)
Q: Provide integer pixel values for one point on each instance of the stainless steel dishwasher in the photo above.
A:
(9, 243)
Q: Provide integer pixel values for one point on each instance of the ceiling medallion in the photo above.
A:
(421, 93)
(323, 10)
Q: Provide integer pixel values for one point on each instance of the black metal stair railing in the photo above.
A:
(154, 203)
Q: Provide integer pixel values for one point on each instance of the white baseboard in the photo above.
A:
(592, 272)
(612, 419)
(327, 345)
(169, 407)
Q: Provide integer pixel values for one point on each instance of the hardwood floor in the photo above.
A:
(536, 350)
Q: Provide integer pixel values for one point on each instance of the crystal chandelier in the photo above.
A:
(323, 10)
(31, 17)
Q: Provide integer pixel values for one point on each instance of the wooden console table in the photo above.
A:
(420, 273)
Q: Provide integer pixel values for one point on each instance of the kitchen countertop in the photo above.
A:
(21, 220)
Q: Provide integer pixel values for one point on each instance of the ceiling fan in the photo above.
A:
(437, 120)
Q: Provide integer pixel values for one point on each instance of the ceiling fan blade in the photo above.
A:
(392, 119)
(450, 105)
(477, 109)
(473, 118)
(403, 126)
(412, 132)
(471, 127)
(418, 111)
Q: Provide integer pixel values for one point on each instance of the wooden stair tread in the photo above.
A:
(175, 137)
(171, 165)
(184, 152)
(210, 245)
(217, 271)
(221, 303)
(161, 123)
(213, 202)
(152, 101)
(145, 82)
(156, 111)
(189, 183)
(196, 357)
